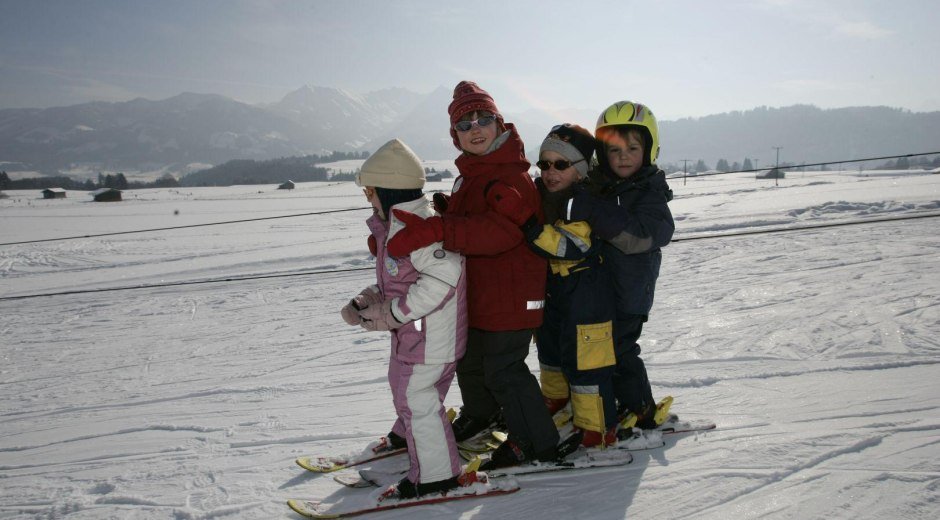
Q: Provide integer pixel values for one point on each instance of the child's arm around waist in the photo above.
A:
(510, 200)
(439, 273)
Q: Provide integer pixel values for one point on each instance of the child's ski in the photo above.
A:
(318, 509)
(485, 441)
(491, 439)
(368, 478)
(672, 425)
(583, 458)
(377, 451)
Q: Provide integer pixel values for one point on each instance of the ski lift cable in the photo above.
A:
(679, 239)
(170, 228)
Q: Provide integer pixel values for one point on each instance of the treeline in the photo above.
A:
(238, 171)
(700, 166)
(117, 181)
(803, 134)
(904, 163)
(272, 171)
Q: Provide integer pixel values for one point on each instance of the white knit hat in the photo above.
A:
(393, 166)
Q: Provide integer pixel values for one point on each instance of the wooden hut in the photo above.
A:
(773, 173)
(106, 195)
(289, 185)
(53, 193)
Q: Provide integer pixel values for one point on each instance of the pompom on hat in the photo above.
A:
(469, 98)
(393, 166)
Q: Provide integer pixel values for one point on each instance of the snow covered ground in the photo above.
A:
(817, 353)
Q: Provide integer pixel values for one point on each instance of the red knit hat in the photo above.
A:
(468, 98)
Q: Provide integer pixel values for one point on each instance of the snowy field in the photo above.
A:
(817, 353)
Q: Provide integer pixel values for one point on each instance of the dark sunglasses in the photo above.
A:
(463, 126)
(559, 165)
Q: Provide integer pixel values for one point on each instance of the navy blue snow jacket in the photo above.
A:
(632, 218)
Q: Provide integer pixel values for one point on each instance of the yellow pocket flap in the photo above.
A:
(596, 345)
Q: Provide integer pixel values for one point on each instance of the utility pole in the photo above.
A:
(685, 163)
(777, 166)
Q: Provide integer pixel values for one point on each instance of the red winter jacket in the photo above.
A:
(505, 279)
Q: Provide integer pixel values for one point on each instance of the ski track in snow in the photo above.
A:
(816, 353)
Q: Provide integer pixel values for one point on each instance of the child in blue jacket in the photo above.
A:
(627, 208)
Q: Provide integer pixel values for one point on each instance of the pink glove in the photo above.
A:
(368, 296)
(350, 313)
(379, 317)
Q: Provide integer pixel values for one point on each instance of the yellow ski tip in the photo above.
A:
(317, 466)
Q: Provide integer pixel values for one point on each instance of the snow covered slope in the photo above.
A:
(816, 352)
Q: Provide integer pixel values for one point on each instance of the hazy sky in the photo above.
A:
(684, 58)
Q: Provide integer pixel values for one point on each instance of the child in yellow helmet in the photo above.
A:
(628, 208)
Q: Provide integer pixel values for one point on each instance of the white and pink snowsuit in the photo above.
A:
(428, 293)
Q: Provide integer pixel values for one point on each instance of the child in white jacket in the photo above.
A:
(421, 300)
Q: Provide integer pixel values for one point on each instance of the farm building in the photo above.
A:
(53, 193)
(773, 173)
(106, 195)
(289, 185)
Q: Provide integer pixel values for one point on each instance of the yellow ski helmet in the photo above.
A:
(628, 113)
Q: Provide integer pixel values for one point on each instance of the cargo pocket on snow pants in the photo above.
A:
(596, 346)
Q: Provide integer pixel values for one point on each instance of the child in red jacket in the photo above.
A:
(505, 279)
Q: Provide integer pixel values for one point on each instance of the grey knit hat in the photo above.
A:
(393, 166)
(574, 143)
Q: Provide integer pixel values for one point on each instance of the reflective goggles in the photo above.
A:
(463, 126)
(559, 165)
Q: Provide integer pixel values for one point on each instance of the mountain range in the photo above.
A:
(193, 131)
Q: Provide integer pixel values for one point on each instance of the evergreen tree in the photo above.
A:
(4, 180)
(700, 166)
(722, 166)
(747, 164)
